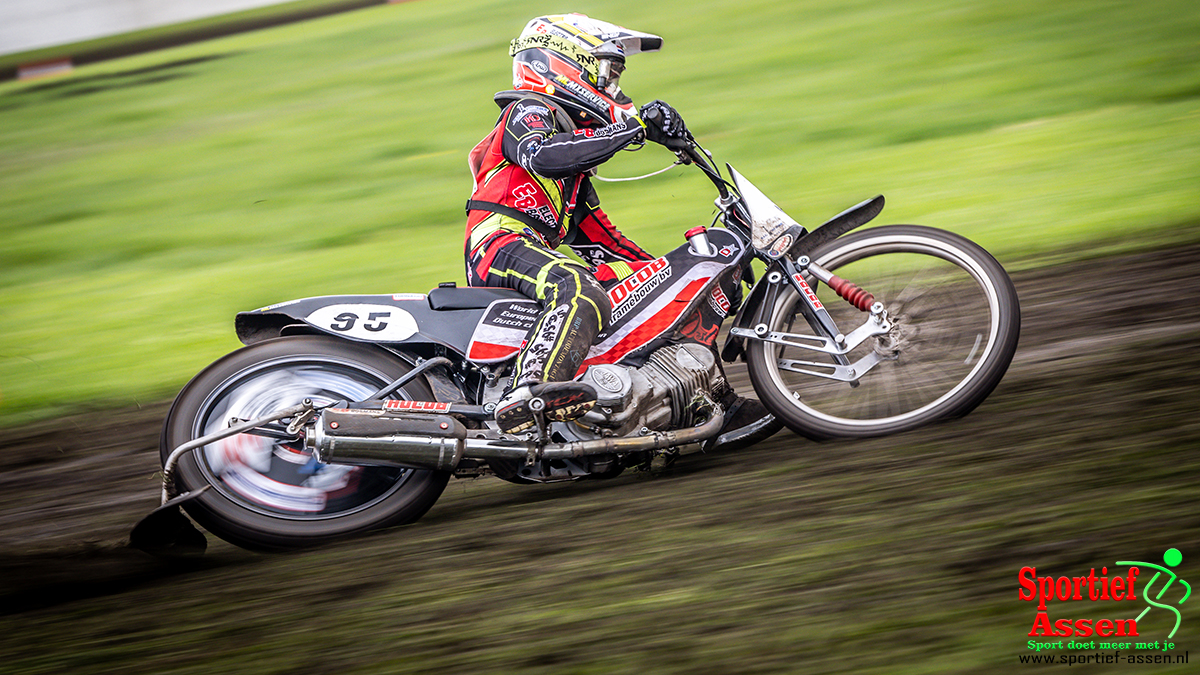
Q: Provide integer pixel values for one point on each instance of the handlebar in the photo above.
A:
(689, 152)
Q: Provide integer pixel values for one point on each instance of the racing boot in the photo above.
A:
(562, 401)
(747, 421)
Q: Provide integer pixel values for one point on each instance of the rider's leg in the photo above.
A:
(575, 310)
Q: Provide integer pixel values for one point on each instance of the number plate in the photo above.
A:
(374, 323)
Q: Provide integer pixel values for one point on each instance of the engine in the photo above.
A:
(656, 396)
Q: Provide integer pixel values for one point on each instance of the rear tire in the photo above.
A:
(956, 323)
(272, 495)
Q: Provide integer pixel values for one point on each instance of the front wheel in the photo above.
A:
(955, 323)
(270, 493)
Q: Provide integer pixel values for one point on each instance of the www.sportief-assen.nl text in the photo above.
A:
(1115, 657)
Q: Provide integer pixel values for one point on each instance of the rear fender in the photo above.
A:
(401, 319)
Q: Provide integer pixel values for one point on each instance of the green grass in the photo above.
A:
(146, 200)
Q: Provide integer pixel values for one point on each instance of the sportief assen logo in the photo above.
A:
(1116, 629)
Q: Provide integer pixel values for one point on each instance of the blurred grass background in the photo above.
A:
(145, 200)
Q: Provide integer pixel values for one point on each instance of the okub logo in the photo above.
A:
(808, 291)
(637, 286)
(417, 406)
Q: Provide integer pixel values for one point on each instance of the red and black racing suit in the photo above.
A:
(532, 193)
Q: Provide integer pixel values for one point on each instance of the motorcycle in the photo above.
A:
(344, 414)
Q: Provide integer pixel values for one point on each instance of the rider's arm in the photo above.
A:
(594, 238)
(532, 141)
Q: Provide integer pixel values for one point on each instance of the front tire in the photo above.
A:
(272, 495)
(956, 323)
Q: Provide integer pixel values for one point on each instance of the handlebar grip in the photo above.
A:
(679, 144)
(682, 148)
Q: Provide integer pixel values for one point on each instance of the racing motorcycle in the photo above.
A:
(344, 414)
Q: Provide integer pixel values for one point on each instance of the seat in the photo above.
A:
(443, 298)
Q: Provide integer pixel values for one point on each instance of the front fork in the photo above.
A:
(828, 339)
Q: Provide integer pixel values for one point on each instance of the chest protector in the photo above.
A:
(508, 189)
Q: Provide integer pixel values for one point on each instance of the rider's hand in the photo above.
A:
(663, 123)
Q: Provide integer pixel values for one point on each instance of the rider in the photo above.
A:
(565, 116)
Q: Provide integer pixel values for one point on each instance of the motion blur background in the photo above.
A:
(145, 199)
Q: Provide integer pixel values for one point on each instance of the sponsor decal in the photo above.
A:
(376, 323)
(603, 132)
(408, 296)
(534, 122)
(582, 92)
(502, 330)
(594, 256)
(539, 348)
(780, 246)
(526, 200)
(1111, 626)
(554, 40)
(683, 290)
(625, 296)
(719, 302)
(518, 316)
(808, 291)
(571, 352)
(527, 109)
(417, 406)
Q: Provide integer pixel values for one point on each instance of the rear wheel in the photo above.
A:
(955, 324)
(271, 494)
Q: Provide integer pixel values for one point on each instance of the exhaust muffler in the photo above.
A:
(374, 438)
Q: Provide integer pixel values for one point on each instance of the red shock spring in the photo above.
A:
(851, 293)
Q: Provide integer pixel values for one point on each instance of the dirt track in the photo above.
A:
(1107, 367)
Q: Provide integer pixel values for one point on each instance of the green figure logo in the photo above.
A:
(1172, 558)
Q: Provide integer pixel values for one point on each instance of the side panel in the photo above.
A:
(661, 296)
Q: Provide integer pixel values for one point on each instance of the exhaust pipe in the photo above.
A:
(439, 442)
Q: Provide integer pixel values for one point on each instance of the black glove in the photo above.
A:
(663, 123)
